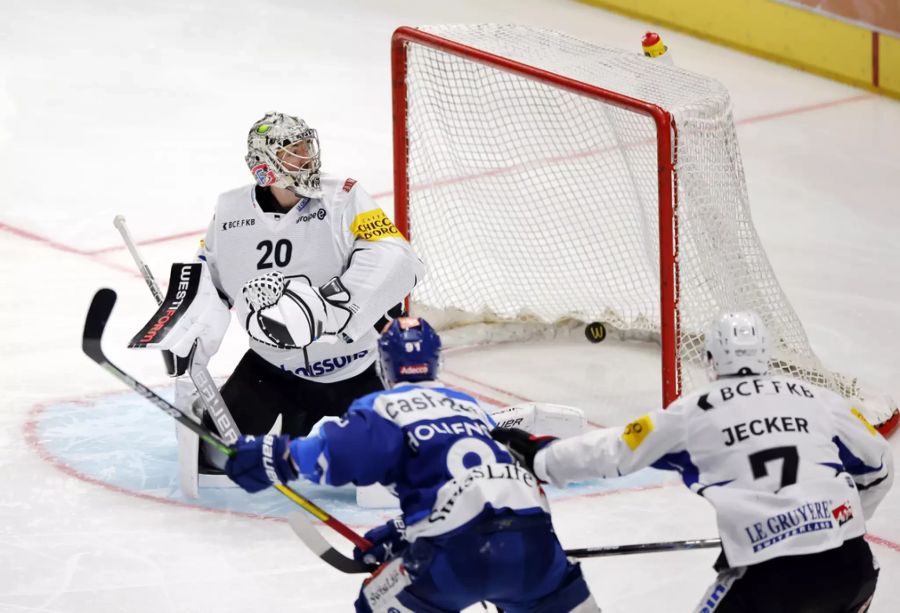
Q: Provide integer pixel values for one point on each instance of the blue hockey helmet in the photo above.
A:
(409, 350)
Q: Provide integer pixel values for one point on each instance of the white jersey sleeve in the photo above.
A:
(381, 268)
(781, 460)
(864, 453)
(612, 452)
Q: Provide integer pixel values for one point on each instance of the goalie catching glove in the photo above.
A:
(291, 314)
(522, 445)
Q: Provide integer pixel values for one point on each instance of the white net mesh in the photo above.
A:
(532, 202)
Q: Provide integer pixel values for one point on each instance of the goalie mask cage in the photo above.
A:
(544, 178)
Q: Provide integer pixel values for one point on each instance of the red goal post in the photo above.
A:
(665, 131)
(629, 167)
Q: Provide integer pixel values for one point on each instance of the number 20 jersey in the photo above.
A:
(344, 233)
(791, 468)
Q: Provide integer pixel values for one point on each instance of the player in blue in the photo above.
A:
(475, 524)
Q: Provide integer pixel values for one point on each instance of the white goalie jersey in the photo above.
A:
(790, 468)
(343, 234)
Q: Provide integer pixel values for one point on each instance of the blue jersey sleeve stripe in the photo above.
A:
(853, 464)
(680, 461)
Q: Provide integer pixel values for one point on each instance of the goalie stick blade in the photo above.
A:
(307, 532)
(95, 322)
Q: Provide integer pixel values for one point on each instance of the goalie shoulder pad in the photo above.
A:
(542, 419)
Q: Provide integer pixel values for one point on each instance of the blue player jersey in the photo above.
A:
(433, 445)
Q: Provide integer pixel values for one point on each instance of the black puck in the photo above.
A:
(595, 332)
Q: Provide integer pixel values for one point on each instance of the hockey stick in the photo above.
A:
(95, 324)
(215, 405)
(618, 550)
(203, 381)
(322, 548)
(311, 537)
(119, 223)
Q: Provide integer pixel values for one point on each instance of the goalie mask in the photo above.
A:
(738, 344)
(409, 350)
(283, 151)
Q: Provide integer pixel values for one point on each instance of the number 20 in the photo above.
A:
(281, 252)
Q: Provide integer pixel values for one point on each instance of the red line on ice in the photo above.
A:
(90, 253)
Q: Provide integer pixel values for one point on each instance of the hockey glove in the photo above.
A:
(186, 316)
(522, 445)
(387, 542)
(290, 314)
(261, 461)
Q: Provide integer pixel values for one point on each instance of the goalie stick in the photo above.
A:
(203, 381)
(94, 325)
(119, 223)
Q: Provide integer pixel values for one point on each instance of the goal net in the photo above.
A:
(545, 179)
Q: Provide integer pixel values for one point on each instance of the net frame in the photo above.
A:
(666, 140)
(680, 339)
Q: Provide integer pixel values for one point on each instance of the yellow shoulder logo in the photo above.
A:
(856, 413)
(374, 225)
(637, 431)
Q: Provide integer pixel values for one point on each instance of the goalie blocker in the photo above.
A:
(191, 311)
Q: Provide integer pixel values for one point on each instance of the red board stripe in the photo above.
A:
(875, 67)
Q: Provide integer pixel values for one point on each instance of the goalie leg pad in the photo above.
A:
(188, 442)
(542, 419)
(376, 496)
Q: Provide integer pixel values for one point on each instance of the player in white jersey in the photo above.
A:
(311, 265)
(792, 469)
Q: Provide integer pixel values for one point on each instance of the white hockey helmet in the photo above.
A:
(738, 344)
(283, 151)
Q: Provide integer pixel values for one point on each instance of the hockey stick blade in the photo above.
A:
(312, 538)
(619, 550)
(95, 323)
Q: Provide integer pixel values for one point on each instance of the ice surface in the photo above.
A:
(142, 109)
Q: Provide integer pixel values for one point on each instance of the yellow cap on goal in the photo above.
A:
(653, 45)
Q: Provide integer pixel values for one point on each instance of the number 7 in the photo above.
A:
(789, 458)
